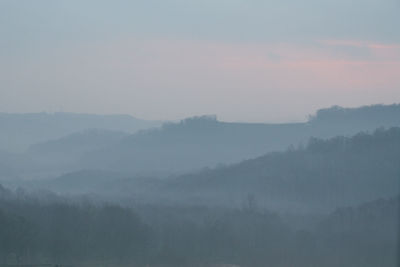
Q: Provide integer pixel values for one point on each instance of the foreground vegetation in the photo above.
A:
(51, 229)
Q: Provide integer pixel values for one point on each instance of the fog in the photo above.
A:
(201, 192)
(201, 133)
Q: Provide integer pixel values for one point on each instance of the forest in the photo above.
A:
(323, 200)
(46, 228)
(199, 133)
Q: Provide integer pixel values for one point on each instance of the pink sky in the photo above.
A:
(146, 77)
(243, 60)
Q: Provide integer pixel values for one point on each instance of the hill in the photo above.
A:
(67, 150)
(321, 176)
(19, 131)
(56, 156)
(200, 142)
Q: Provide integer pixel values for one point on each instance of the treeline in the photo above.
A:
(58, 231)
(321, 175)
(385, 115)
(62, 143)
(51, 229)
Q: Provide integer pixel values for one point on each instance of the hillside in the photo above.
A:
(323, 175)
(19, 131)
(56, 156)
(175, 148)
(201, 142)
(69, 149)
(193, 144)
(348, 121)
(78, 229)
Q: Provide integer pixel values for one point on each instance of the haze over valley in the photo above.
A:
(294, 178)
(201, 133)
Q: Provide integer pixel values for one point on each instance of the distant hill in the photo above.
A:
(19, 131)
(104, 183)
(65, 142)
(325, 174)
(83, 182)
(69, 149)
(193, 144)
(347, 121)
(13, 165)
(200, 142)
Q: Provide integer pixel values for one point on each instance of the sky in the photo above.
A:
(242, 60)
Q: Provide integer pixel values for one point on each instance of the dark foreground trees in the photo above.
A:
(55, 230)
(32, 231)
